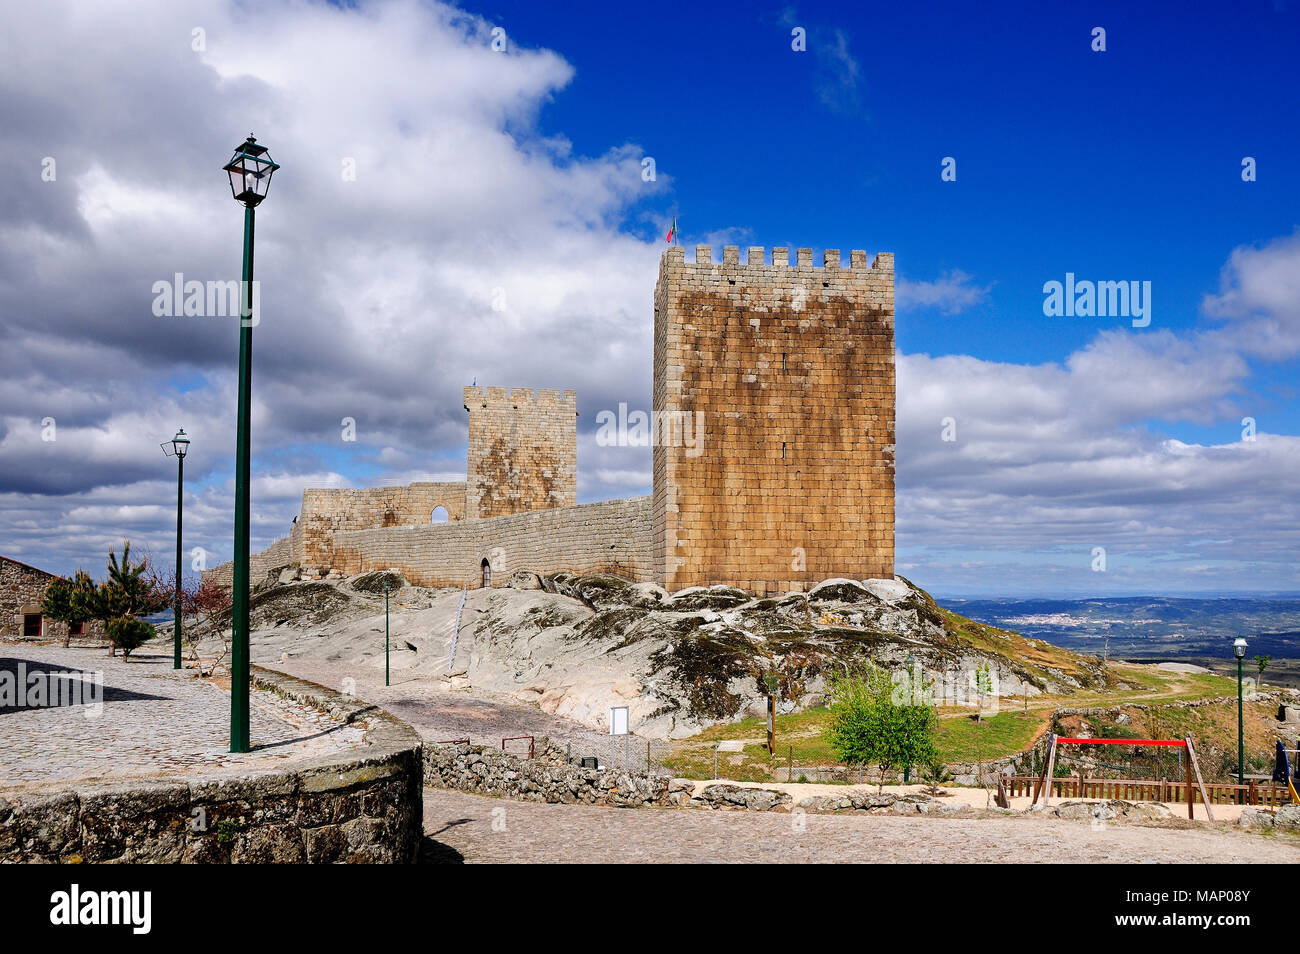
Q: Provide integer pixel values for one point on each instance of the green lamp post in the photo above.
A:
(178, 447)
(250, 171)
(386, 633)
(1239, 650)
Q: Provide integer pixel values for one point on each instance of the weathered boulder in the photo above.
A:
(1288, 817)
(373, 583)
(888, 590)
(1254, 818)
(843, 591)
(706, 597)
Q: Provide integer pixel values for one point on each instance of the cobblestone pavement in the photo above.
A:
(475, 828)
(153, 720)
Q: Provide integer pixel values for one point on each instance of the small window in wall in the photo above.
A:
(439, 515)
(76, 629)
(783, 450)
(487, 574)
(31, 625)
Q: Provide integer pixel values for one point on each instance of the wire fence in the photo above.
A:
(620, 753)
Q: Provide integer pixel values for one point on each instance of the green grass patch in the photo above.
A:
(962, 739)
(959, 739)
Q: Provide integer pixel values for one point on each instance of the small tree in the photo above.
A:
(128, 633)
(871, 723)
(1261, 663)
(211, 604)
(934, 774)
(56, 604)
(131, 589)
(983, 686)
(70, 602)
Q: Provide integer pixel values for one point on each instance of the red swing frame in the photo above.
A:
(1044, 784)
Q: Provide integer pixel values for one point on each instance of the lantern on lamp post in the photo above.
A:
(250, 171)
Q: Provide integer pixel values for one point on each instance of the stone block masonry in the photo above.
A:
(612, 536)
(523, 450)
(792, 368)
(327, 511)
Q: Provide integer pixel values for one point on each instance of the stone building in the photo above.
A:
(773, 434)
(22, 588)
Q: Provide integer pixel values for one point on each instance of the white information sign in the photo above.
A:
(618, 720)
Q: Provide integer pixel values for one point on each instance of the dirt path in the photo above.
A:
(473, 828)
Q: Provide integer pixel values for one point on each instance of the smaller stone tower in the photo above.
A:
(523, 450)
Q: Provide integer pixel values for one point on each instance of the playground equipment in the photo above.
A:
(1044, 784)
(1282, 773)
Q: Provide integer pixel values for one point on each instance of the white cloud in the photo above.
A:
(1259, 298)
(951, 292)
(377, 303)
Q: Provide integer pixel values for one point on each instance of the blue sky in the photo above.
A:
(1117, 164)
(520, 171)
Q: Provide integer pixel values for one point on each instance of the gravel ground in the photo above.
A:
(473, 828)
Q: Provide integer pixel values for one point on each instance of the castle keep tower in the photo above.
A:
(523, 450)
(792, 368)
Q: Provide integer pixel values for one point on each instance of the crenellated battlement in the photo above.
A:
(503, 398)
(757, 257)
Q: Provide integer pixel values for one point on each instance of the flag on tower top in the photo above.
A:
(672, 232)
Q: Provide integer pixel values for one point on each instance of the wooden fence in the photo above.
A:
(1149, 790)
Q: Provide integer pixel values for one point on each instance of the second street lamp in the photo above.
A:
(178, 447)
(250, 171)
(1239, 650)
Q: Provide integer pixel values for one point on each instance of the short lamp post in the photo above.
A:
(250, 171)
(178, 447)
(1239, 650)
(910, 662)
(386, 633)
(772, 683)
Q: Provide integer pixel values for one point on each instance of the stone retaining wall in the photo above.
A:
(356, 806)
(484, 770)
(612, 536)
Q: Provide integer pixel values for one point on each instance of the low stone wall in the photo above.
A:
(613, 536)
(484, 770)
(357, 806)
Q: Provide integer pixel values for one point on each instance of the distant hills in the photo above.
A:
(1148, 627)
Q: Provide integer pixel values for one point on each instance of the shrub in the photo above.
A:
(128, 633)
(934, 774)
